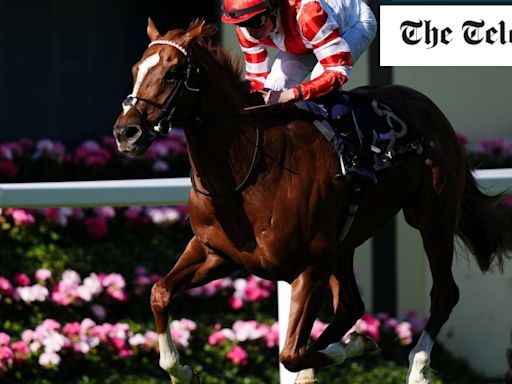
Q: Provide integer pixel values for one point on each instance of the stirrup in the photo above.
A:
(358, 173)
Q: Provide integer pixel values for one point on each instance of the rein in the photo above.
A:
(257, 149)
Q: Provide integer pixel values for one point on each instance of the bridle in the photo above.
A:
(168, 107)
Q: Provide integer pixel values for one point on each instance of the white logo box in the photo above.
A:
(474, 35)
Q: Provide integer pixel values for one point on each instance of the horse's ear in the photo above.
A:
(152, 31)
(194, 31)
(198, 29)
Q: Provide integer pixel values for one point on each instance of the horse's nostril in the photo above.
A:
(132, 132)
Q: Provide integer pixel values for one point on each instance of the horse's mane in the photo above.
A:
(233, 65)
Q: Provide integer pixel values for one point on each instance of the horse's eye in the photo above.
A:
(171, 75)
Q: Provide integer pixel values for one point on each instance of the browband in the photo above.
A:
(171, 43)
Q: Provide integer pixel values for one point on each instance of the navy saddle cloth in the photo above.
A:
(386, 137)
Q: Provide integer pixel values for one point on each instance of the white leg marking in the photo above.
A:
(170, 360)
(144, 68)
(306, 376)
(419, 360)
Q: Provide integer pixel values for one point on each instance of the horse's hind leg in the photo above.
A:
(348, 308)
(308, 291)
(438, 237)
(195, 267)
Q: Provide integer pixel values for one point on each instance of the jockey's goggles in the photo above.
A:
(255, 22)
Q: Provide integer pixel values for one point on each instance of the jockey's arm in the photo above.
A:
(256, 59)
(331, 50)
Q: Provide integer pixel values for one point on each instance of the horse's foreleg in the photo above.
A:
(195, 267)
(438, 244)
(308, 291)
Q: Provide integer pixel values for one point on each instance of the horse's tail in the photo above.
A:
(485, 224)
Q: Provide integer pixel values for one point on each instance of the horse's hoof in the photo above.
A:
(369, 346)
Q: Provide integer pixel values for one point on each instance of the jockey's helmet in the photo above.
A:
(239, 11)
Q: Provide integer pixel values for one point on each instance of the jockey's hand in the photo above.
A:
(274, 97)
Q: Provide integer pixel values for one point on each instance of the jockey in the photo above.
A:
(320, 38)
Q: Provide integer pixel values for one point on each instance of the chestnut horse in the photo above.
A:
(265, 198)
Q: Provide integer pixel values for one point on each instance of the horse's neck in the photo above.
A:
(221, 160)
(220, 149)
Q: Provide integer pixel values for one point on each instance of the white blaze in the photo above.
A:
(144, 68)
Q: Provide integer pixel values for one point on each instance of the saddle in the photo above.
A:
(385, 137)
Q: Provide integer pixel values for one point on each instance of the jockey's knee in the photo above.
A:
(293, 362)
(160, 297)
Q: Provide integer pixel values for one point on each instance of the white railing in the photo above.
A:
(162, 192)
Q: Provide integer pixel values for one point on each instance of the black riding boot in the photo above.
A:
(353, 161)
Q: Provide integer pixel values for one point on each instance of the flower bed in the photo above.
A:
(45, 346)
(46, 160)
(61, 324)
(75, 284)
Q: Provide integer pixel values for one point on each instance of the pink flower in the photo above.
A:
(6, 358)
(181, 332)
(118, 343)
(4, 339)
(404, 332)
(507, 200)
(107, 212)
(463, 140)
(8, 168)
(71, 329)
(160, 166)
(154, 277)
(50, 325)
(49, 359)
(369, 325)
(115, 283)
(163, 215)
(258, 289)
(151, 340)
(21, 280)
(494, 146)
(271, 335)
(247, 330)
(43, 274)
(238, 355)
(318, 328)
(96, 226)
(391, 322)
(125, 352)
(21, 217)
(90, 154)
(5, 286)
(236, 303)
(20, 350)
(220, 335)
(48, 148)
(33, 293)
(417, 322)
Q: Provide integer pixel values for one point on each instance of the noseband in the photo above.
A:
(168, 107)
